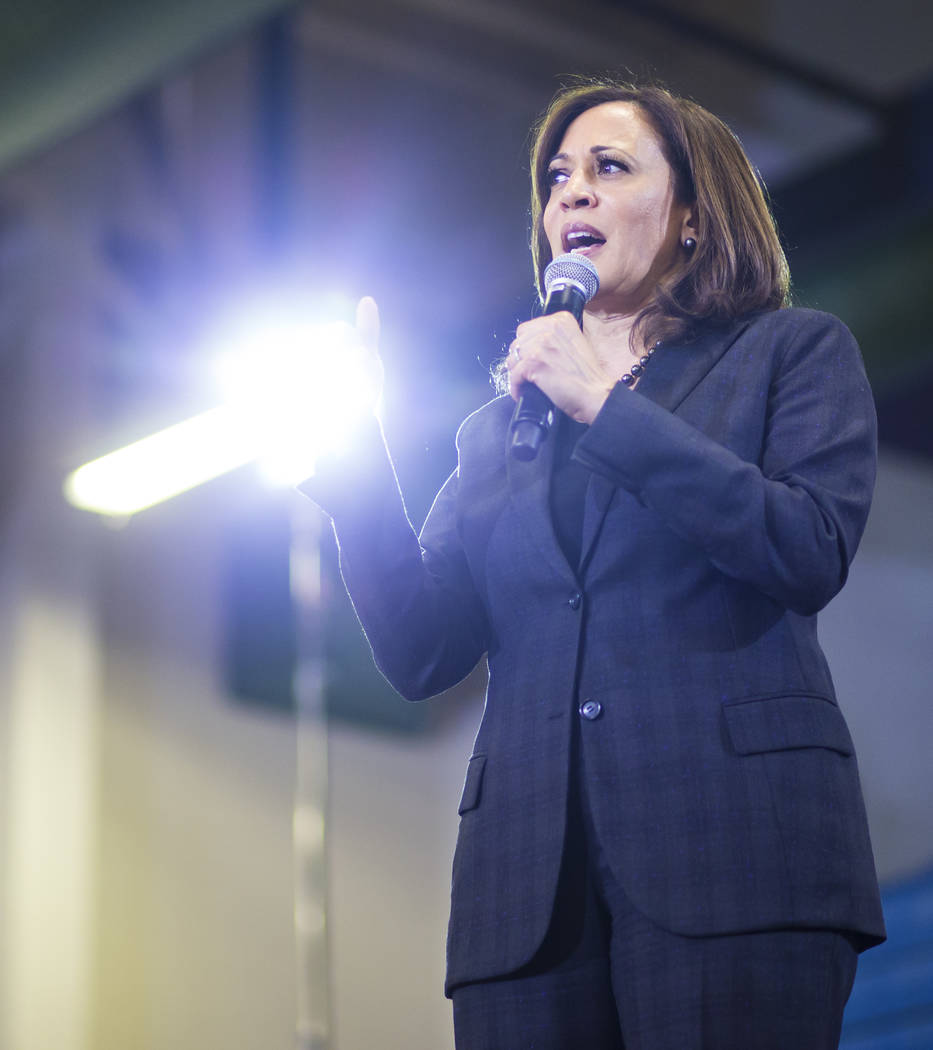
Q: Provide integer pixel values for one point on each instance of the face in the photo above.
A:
(612, 200)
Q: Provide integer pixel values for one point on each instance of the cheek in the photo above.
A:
(649, 214)
(551, 223)
(653, 223)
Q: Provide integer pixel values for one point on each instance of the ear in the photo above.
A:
(689, 224)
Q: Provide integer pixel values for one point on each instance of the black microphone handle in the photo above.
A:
(535, 413)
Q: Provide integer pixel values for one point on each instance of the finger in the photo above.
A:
(367, 322)
(519, 375)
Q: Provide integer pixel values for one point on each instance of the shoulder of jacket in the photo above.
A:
(487, 423)
(798, 337)
(793, 320)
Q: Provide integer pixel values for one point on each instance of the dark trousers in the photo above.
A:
(607, 978)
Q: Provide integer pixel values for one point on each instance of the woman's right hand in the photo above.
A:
(367, 334)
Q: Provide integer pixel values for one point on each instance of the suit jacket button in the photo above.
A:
(575, 600)
(591, 709)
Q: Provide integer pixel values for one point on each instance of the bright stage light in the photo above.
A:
(301, 389)
(293, 392)
(162, 465)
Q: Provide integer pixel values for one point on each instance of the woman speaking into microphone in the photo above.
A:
(662, 843)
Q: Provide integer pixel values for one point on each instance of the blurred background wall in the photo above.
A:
(158, 169)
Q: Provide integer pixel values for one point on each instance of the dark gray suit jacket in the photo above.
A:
(728, 495)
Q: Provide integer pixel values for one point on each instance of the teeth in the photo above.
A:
(582, 239)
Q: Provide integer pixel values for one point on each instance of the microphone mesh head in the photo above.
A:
(575, 268)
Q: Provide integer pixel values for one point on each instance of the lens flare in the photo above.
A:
(292, 392)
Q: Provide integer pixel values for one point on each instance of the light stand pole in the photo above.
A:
(275, 153)
(311, 783)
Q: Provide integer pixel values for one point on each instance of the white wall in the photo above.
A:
(878, 636)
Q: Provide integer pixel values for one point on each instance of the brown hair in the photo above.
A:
(738, 265)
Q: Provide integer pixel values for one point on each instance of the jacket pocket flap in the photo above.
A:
(779, 723)
(472, 784)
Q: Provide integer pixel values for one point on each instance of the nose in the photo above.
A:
(577, 191)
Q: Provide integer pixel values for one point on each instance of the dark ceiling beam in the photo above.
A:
(859, 193)
(740, 48)
(74, 73)
(276, 113)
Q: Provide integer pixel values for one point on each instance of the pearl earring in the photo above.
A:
(689, 244)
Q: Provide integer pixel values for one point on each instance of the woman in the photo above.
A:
(662, 840)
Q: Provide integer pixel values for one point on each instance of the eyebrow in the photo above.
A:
(593, 150)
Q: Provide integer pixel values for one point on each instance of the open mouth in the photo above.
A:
(578, 238)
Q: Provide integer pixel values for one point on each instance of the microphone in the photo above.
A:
(570, 281)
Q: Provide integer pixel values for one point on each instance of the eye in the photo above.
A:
(554, 176)
(610, 165)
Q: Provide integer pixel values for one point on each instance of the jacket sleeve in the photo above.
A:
(419, 609)
(788, 524)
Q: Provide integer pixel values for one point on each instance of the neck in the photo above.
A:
(610, 335)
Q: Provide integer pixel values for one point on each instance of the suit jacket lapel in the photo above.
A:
(674, 371)
(599, 494)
